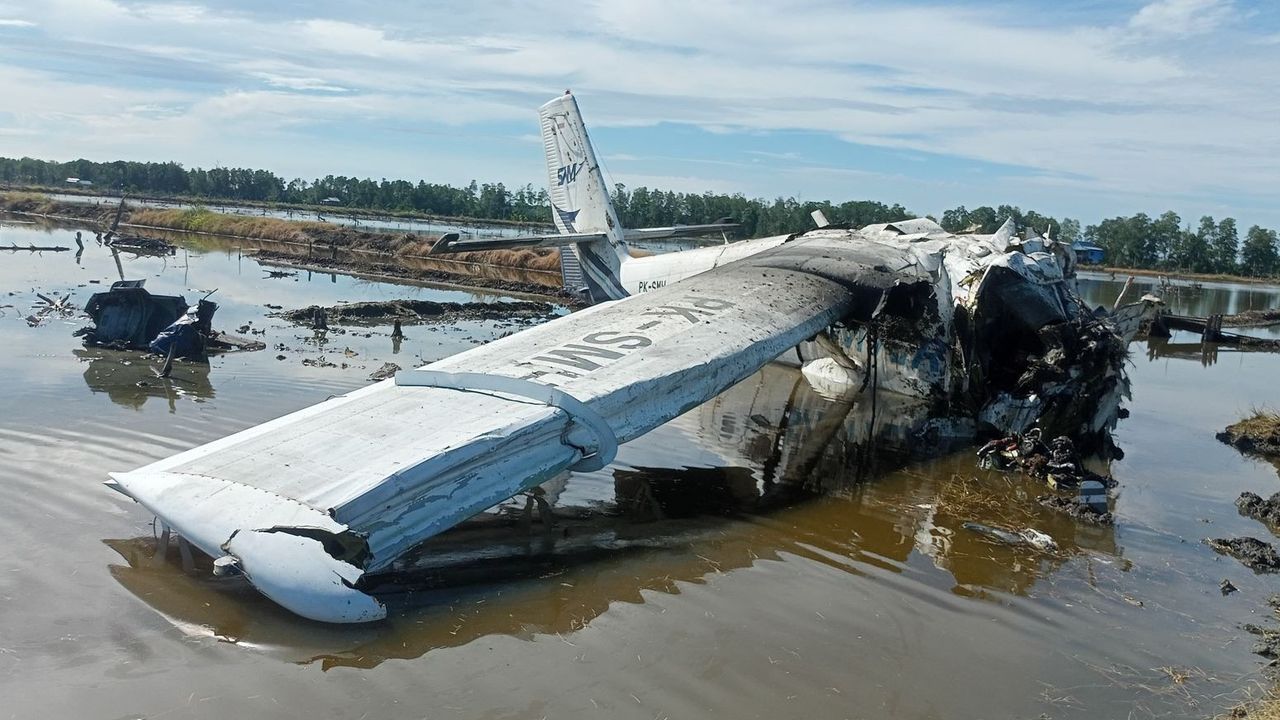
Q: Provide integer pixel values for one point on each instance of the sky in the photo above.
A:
(1085, 109)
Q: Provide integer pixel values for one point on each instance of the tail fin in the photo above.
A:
(580, 199)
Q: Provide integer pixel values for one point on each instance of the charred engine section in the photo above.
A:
(1037, 348)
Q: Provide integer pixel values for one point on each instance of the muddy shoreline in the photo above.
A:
(412, 312)
(401, 272)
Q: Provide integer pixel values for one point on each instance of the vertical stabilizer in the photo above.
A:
(580, 199)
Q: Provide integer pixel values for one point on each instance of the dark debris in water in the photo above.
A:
(419, 311)
(388, 370)
(1076, 509)
(1253, 553)
(1253, 506)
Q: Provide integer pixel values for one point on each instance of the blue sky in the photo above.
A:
(1086, 109)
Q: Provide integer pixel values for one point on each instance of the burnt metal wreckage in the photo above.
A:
(129, 317)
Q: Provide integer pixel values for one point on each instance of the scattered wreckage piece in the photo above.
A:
(1027, 537)
(1057, 464)
(48, 307)
(12, 247)
(1253, 553)
(128, 317)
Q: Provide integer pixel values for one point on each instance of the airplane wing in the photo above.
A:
(454, 244)
(306, 505)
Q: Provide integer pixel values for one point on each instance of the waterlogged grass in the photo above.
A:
(26, 202)
(199, 219)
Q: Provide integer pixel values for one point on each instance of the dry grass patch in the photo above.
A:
(1258, 434)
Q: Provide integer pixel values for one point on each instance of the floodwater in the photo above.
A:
(757, 557)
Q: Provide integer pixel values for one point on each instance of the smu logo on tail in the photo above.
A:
(568, 174)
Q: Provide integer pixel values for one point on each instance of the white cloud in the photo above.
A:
(298, 83)
(13, 22)
(1181, 17)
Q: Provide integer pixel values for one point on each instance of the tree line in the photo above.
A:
(1138, 241)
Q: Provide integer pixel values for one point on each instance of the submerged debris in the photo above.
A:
(418, 311)
(1253, 506)
(1227, 587)
(388, 370)
(1258, 434)
(1057, 464)
(1077, 509)
(1253, 553)
(1028, 537)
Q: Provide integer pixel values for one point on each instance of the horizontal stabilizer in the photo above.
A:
(453, 243)
(676, 231)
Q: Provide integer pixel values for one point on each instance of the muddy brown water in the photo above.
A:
(757, 557)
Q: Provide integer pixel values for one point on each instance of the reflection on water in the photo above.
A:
(1200, 299)
(130, 378)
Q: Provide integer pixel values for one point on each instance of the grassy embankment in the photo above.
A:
(297, 233)
(268, 205)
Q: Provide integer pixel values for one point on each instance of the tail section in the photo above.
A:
(580, 199)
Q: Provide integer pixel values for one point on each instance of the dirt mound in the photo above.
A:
(412, 312)
(1259, 434)
(1255, 318)
(1253, 506)
(1254, 554)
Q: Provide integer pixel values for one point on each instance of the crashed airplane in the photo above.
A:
(310, 506)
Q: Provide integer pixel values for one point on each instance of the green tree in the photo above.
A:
(1261, 252)
(1226, 246)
